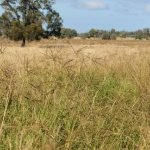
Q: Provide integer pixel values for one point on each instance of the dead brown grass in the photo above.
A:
(91, 48)
(75, 94)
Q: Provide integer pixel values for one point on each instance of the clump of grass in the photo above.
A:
(74, 107)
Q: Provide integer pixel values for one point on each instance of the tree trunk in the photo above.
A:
(23, 42)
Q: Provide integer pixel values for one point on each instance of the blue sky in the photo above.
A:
(83, 15)
(104, 14)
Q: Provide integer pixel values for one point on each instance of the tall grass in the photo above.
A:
(55, 103)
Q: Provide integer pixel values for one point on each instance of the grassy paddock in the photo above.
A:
(73, 104)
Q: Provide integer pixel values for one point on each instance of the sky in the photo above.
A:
(83, 15)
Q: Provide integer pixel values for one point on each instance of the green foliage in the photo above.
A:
(84, 35)
(142, 34)
(106, 36)
(123, 34)
(54, 24)
(6, 23)
(26, 18)
(113, 34)
(139, 35)
(16, 31)
(146, 32)
(94, 33)
(33, 32)
(68, 33)
(113, 31)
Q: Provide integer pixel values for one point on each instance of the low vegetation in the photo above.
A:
(54, 102)
(113, 34)
(68, 33)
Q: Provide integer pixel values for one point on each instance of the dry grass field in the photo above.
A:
(75, 95)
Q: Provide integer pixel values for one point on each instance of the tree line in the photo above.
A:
(106, 34)
(36, 19)
(114, 34)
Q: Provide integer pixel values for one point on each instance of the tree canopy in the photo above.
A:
(68, 33)
(29, 19)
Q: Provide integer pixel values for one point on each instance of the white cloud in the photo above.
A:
(147, 8)
(93, 5)
(85, 4)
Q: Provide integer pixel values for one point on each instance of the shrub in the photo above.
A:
(106, 36)
(139, 35)
(123, 34)
(85, 35)
(113, 37)
(94, 33)
(68, 33)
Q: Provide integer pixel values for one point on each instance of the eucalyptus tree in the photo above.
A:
(29, 15)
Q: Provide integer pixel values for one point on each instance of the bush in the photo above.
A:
(85, 35)
(68, 33)
(94, 33)
(123, 34)
(140, 35)
(113, 37)
(106, 36)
